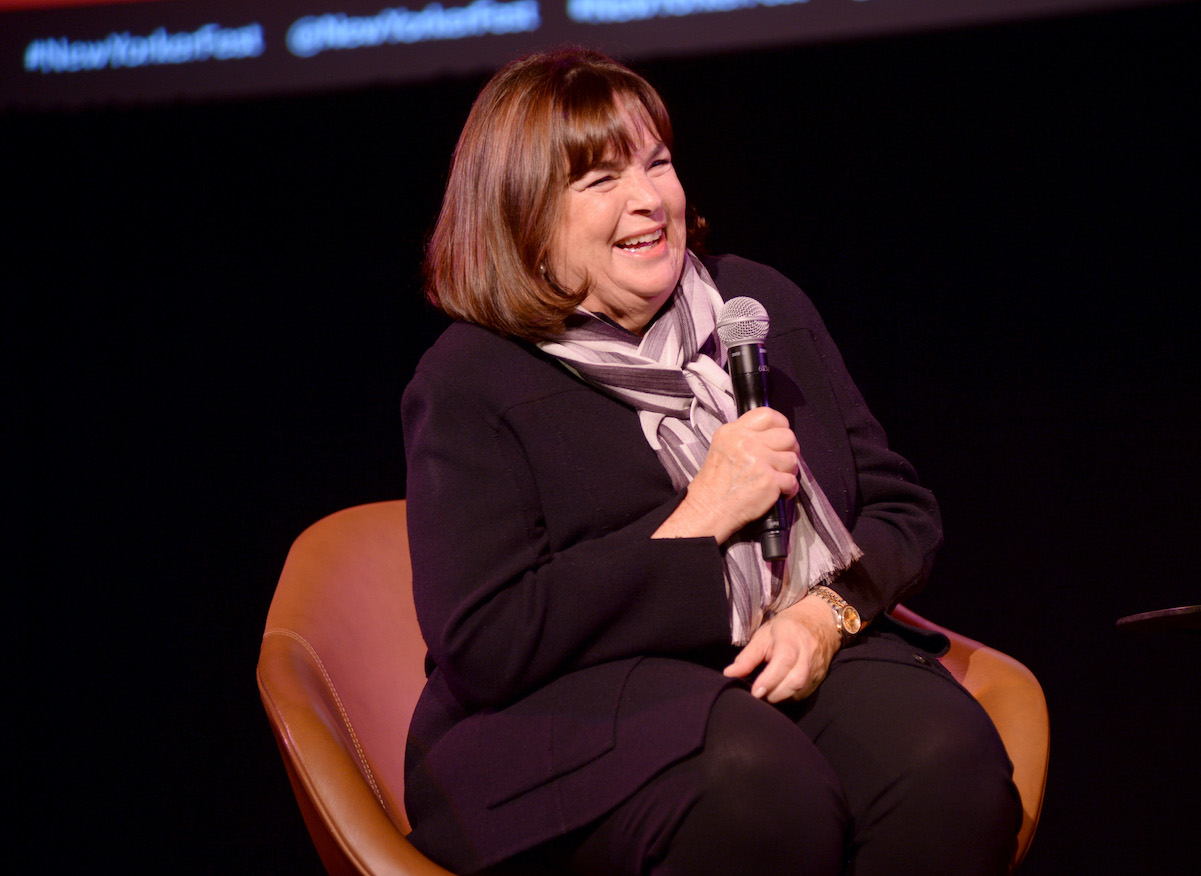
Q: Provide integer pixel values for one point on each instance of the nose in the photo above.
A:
(643, 195)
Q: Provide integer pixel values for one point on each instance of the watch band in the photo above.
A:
(846, 616)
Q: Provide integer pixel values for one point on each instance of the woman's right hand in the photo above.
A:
(750, 464)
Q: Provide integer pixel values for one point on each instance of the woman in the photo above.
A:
(619, 682)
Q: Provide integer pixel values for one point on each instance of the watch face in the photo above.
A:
(850, 620)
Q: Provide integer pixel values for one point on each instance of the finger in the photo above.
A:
(797, 684)
(783, 460)
(791, 486)
(748, 658)
(762, 419)
(781, 665)
(781, 439)
(780, 475)
(817, 675)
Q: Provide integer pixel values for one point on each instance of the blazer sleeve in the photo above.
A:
(503, 608)
(892, 517)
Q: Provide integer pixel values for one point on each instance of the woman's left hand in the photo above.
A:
(796, 647)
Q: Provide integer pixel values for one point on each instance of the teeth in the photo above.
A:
(631, 242)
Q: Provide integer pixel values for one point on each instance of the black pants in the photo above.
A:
(890, 768)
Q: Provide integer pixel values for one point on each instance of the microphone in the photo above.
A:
(742, 326)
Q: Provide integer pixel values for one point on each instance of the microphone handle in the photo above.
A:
(748, 372)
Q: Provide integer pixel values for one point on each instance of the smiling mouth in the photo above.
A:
(641, 241)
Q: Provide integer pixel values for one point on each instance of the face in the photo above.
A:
(623, 228)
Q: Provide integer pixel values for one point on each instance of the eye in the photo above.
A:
(599, 181)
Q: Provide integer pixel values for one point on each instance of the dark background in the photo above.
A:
(212, 310)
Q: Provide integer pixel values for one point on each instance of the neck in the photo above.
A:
(635, 324)
(636, 319)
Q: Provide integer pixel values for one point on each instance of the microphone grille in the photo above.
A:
(742, 321)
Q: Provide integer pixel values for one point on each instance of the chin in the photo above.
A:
(659, 289)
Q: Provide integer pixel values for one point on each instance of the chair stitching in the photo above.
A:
(362, 756)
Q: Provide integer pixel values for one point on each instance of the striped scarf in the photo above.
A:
(675, 377)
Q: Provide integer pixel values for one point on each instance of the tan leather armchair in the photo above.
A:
(342, 665)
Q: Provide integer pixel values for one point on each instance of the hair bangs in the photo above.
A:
(604, 116)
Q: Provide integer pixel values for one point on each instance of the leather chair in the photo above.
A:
(342, 665)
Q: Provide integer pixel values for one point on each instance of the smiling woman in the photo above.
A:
(620, 682)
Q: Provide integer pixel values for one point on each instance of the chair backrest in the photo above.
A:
(342, 665)
(339, 672)
(1014, 700)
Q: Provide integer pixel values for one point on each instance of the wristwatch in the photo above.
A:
(846, 616)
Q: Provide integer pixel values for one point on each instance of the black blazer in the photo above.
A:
(572, 656)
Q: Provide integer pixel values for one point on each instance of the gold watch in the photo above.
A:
(846, 616)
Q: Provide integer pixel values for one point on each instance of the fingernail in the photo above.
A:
(759, 693)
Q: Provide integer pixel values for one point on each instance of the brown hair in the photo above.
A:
(540, 123)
